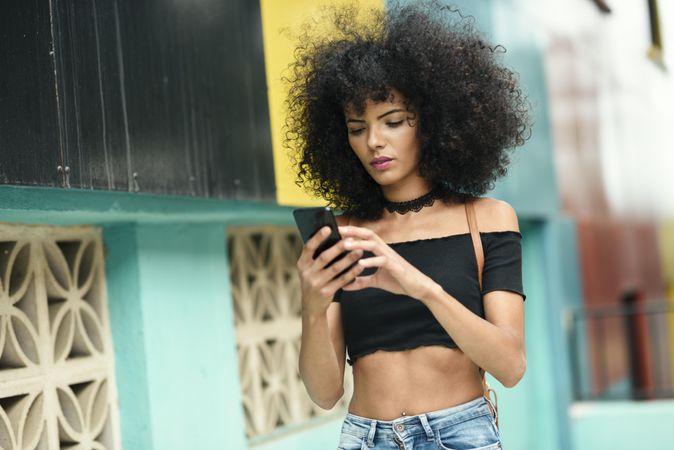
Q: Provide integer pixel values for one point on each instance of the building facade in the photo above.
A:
(148, 295)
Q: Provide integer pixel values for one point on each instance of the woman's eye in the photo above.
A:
(355, 131)
(394, 124)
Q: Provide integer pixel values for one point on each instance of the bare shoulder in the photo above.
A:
(495, 215)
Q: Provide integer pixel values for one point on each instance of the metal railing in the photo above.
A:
(622, 352)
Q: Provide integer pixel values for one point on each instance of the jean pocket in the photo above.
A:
(477, 433)
(495, 427)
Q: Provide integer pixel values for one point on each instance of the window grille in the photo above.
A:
(267, 311)
(57, 386)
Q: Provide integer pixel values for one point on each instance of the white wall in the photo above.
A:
(627, 117)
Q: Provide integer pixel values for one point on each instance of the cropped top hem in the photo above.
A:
(408, 346)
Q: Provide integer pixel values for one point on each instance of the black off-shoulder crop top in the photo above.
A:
(374, 319)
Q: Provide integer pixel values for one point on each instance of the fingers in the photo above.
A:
(325, 275)
(357, 232)
(330, 288)
(375, 261)
(310, 247)
(363, 245)
(331, 253)
(360, 283)
(368, 281)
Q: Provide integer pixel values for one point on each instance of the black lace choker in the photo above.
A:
(412, 205)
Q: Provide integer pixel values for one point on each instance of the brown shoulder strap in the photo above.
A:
(479, 256)
(477, 242)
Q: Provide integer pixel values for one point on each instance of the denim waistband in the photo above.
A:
(417, 424)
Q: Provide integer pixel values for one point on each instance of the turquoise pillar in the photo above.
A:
(189, 337)
(174, 337)
(122, 274)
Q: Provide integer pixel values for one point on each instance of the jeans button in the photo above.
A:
(400, 427)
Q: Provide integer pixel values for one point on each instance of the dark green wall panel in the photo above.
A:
(29, 149)
(155, 96)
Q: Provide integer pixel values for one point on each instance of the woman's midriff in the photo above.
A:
(390, 383)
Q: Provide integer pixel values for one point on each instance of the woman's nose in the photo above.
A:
(374, 138)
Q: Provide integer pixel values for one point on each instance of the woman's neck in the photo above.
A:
(406, 192)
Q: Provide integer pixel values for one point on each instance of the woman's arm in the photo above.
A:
(322, 355)
(322, 348)
(495, 344)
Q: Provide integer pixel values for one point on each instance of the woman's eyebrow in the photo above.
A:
(379, 117)
(390, 112)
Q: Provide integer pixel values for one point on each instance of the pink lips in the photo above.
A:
(381, 162)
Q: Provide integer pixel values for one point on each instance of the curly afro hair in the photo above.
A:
(470, 108)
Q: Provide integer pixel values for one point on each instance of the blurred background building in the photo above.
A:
(148, 291)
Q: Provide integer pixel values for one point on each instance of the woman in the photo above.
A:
(400, 124)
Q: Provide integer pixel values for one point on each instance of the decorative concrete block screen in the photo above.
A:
(57, 385)
(267, 311)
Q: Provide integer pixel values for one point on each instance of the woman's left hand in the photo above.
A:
(394, 273)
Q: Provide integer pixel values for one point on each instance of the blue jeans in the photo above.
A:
(469, 425)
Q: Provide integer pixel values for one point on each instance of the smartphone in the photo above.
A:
(310, 220)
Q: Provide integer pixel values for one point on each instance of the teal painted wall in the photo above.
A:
(123, 280)
(169, 299)
(531, 404)
(190, 341)
(573, 300)
(170, 307)
(623, 425)
(76, 206)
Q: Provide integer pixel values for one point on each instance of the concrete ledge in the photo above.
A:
(625, 425)
(75, 206)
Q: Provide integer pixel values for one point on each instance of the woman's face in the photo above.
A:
(385, 140)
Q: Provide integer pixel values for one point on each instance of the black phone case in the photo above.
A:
(310, 220)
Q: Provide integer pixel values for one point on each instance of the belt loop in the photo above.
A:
(370, 435)
(427, 427)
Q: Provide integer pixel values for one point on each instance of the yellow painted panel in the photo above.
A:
(278, 50)
(667, 252)
(670, 301)
(667, 249)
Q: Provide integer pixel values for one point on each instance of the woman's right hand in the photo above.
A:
(317, 283)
